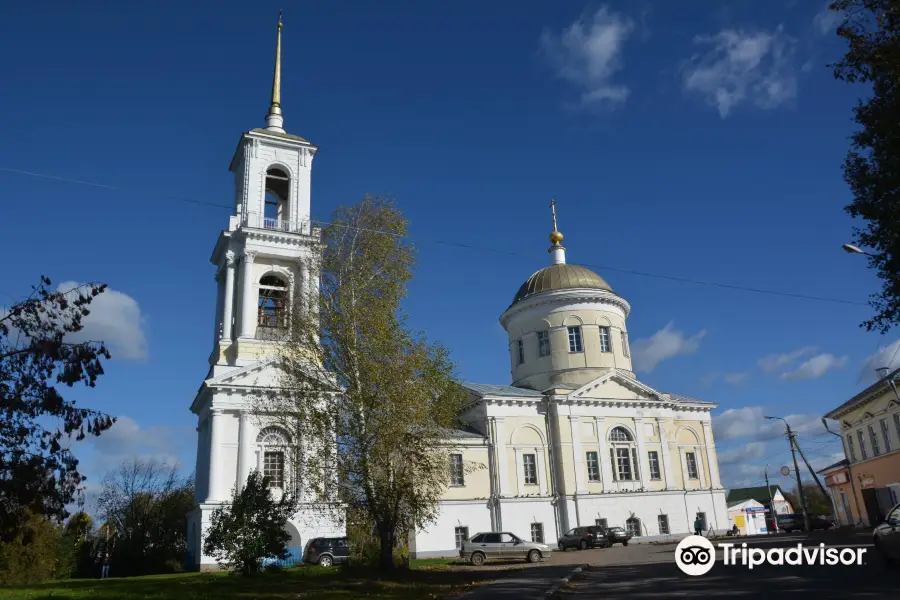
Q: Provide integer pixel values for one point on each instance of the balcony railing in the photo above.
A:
(261, 222)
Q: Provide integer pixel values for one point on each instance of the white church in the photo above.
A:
(575, 439)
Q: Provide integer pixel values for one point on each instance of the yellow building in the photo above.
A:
(576, 439)
(867, 484)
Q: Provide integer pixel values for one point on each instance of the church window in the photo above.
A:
(275, 211)
(272, 303)
(691, 460)
(593, 467)
(604, 339)
(529, 466)
(633, 526)
(461, 534)
(663, 521)
(653, 456)
(575, 339)
(273, 468)
(543, 343)
(457, 472)
(602, 523)
(876, 450)
(623, 455)
(537, 533)
(624, 343)
(623, 464)
(520, 348)
(862, 444)
(620, 434)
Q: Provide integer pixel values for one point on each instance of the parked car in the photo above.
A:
(591, 536)
(794, 522)
(617, 535)
(887, 537)
(326, 551)
(499, 546)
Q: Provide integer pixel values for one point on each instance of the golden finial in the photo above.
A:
(556, 237)
(274, 119)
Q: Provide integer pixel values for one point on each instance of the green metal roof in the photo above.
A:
(760, 494)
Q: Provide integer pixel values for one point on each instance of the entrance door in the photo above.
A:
(870, 500)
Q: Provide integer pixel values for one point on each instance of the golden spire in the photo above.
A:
(556, 237)
(275, 120)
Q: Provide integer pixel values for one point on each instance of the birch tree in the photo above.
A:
(367, 401)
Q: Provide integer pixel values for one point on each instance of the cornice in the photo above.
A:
(562, 297)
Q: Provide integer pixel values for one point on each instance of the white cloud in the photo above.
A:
(116, 320)
(743, 454)
(774, 362)
(816, 367)
(664, 344)
(750, 422)
(826, 20)
(886, 356)
(589, 52)
(126, 439)
(742, 67)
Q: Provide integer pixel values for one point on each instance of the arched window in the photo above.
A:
(273, 313)
(623, 455)
(273, 443)
(276, 215)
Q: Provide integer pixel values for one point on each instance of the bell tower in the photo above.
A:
(263, 257)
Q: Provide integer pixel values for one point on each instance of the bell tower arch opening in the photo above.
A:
(276, 210)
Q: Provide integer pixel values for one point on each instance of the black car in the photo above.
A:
(887, 537)
(617, 535)
(591, 536)
(326, 551)
(794, 522)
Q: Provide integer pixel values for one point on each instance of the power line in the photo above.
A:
(467, 246)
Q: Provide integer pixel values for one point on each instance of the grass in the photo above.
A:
(427, 579)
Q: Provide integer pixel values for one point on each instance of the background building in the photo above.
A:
(576, 439)
(749, 515)
(262, 268)
(870, 431)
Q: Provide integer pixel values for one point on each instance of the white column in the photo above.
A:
(643, 462)
(303, 289)
(215, 439)
(605, 466)
(502, 463)
(228, 305)
(666, 460)
(714, 479)
(578, 454)
(220, 300)
(542, 473)
(249, 306)
(520, 488)
(245, 444)
(198, 467)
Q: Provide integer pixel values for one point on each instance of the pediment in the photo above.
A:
(615, 385)
(261, 374)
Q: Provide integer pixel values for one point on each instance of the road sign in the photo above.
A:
(785, 470)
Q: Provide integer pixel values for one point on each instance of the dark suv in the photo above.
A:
(326, 551)
(591, 536)
(794, 522)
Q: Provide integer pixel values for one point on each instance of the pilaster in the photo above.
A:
(502, 462)
(245, 444)
(214, 493)
(578, 454)
(228, 297)
(711, 456)
(643, 460)
(603, 457)
(248, 300)
(665, 458)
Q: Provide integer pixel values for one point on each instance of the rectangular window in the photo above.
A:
(575, 339)
(624, 343)
(862, 444)
(850, 448)
(897, 424)
(653, 455)
(886, 434)
(457, 472)
(530, 467)
(691, 459)
(521, 349)
(593, 467)
(623, 464)
(601, 523)
(633, 526)
(273, 468)
(876, 450)
(663, 524)
(543, 343)
(537, 533)
(604, 339)
(461, 534)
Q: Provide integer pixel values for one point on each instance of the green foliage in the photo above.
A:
(872, 166)
(38, 474)
(251, 529)
(367, 401)
(33, 553)
(143, 504)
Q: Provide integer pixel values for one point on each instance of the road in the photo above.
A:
(649, 571)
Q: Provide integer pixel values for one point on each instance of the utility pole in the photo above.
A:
(771, 502)
(816, 478)
(790, 436)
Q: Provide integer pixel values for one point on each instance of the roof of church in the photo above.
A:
(487, 389)
(680, 398)
(560, 277)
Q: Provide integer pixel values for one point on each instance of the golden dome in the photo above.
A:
(561, 277)
(556, 237)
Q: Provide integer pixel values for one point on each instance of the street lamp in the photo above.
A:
(851, 249)
(790, 436)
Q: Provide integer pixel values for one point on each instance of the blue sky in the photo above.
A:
(678, 141)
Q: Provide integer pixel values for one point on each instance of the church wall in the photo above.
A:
(477, 480)
(438, 538)
(680, 508)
